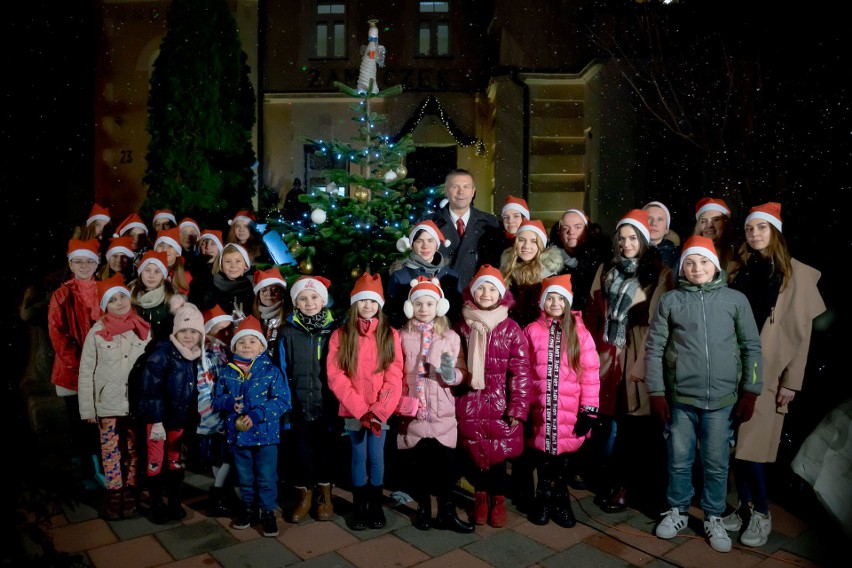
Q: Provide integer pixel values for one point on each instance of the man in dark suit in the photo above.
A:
(466, 227)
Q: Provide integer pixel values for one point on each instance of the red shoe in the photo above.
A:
(480, 508)
(497, 515)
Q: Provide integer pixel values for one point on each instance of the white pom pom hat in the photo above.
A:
(404, 243)
(423, 286)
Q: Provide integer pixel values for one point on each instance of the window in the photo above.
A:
(434, 27)
(330, 29)
(318, 164)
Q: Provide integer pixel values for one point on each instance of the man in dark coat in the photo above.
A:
(465, 253)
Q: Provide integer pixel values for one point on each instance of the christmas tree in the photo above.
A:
(356, 230)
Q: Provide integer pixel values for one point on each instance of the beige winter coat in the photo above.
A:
(784, 341)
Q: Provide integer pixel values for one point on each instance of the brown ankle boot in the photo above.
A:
(304, 506)
(130, 502)
(325, 508)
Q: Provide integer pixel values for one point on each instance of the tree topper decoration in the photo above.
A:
(372, 55)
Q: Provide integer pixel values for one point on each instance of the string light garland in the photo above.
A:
(432, 107)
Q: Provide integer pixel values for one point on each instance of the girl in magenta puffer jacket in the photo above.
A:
(491, 411)
(564, 405)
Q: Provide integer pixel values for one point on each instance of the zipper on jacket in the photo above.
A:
(706, 346)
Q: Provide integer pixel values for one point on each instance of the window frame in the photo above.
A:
(330, 20)
(433, 21)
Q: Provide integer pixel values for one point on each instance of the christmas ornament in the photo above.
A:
(390, 176)
(356, 272)
(401, 171)
(296, 249)
(318, 216)
(372, 55)
(306, 266)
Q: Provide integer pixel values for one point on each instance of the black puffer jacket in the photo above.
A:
(167, 392)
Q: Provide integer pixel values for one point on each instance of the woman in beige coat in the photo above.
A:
(624, 294)
(785, 300)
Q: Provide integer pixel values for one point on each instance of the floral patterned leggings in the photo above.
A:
(118, 451)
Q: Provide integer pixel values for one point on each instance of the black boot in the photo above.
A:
(449, 520)
(423, 519)
(375, 511)
(542, 507)
(359, 510)
(159, 512)
(174, 480)
(112, 512)
(563, 514)
(219, 503)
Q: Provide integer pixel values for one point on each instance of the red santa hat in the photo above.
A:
(423, 286)
(132, 221)
(83, 249)
(244, 215)
(578, 212)
(188, 222)
(560, 284)
(170, 237)
(664, 208)
(98, 213)
(368, 287)
(516, 204)
(120, 245)
(699, 245)
(536, 227)
(318, 284)
(488, 273)
(638, 218)
(214, 316)
(270, 277)
(770, 211)
(157, 258)
(109, 288)
(404, 243)
(164, 214)
(711, 204)
(249, 326)
(213, 235)
(240, 249)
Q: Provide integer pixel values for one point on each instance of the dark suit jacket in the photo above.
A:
(467, 254)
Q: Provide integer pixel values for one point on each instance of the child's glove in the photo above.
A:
(157, 432)
(660, 409)
(365, 420)
(744, 407)
(448, 368)
(586, 419)
(376, 426)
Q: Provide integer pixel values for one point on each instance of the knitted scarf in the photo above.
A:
(190, 354)
(422, 370)
(152, 298)
(116, 325)
(429, 269)
(551, 404)
(481, 323)
(311, 323)
(619, 288)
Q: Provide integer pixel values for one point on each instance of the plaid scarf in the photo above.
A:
(422, 372)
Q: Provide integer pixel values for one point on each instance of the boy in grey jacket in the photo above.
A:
(703, 372)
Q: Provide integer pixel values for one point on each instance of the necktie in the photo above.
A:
(460, 226)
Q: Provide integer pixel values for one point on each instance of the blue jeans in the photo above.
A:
(257, 475)
(709, 430)
(368, 457)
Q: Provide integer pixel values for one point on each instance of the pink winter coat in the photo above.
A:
(440, 402)
(573, 392)
(367, 391)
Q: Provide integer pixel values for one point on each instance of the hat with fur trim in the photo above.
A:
(536, 227)
(638, 218)
(770, 211)
(249, 326)
(664, 208)
(560, 284)
(423, 286)
(109, 288)
(244, 215)
(213, 235)
(316, 283)
(578, 212)
(240, 249)
(270, 277)
(83, 249)
(215, 316)
(186, 315)
(368, 287)
(488, 273)
(711, 204)
(98, 213)
(516, 204)
(132, 221)
(699, 245)
(120, 245)
(164, 214)
(189, 223)
(404, 243)
(157, 258)
(170, 237)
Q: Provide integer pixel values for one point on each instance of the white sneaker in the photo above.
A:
(757, 532)
(715, 529)
(673, 522)
(733, 522)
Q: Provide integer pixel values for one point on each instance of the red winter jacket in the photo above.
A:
(72, 312)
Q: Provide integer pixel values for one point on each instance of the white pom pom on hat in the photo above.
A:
(423, 286)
